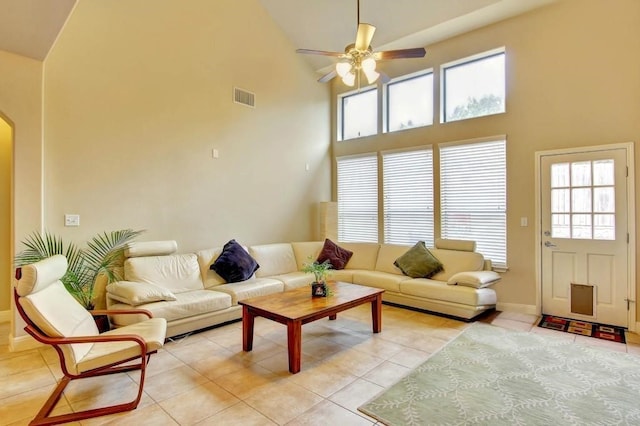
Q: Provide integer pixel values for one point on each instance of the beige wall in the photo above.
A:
(21, 106)
(573, 79)
(136, 97)
(6, 164)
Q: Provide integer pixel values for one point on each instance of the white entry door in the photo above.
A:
(585, 236)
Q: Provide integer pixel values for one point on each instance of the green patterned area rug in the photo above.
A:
(492, 376)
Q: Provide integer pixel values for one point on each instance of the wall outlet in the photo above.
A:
(71, 220)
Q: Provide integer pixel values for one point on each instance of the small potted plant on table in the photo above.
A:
(320, 270)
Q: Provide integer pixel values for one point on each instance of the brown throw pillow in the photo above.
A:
(418, 262)
(336, 255)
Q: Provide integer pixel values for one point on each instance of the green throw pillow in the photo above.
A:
(418, 262)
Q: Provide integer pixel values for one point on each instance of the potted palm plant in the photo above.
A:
(320, 270)
(103, 256)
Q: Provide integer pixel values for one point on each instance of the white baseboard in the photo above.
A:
(517, 307)
(5, 316)
(23, 343)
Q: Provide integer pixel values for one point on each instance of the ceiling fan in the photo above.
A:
(359, 56)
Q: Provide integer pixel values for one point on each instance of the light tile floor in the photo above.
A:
(207, 379)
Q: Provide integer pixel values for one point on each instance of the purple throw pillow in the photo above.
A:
(336, 255)
(234, 263)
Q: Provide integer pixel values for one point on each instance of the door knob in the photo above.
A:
(549, 244)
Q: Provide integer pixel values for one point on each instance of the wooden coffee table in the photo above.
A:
(296, 307)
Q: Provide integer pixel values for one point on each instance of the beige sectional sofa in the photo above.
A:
(184, 290)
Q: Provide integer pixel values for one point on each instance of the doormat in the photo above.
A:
(584, 328)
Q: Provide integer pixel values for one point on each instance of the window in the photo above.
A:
(583, 200)
(358, 198)
(473, 196)
(474, 87)
(409, 102)
(358, 114)
(408, 196)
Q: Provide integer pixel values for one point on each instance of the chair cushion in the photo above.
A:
(37, 276)
(234, 264)
(138, 293)
(152, 331)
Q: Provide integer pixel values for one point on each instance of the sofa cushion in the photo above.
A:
(150, 248)
(303, 251)
(438, 290)
(334, 254)
(235, 264)
(364, 255)
(475, 279)
(418, 262)
(252, 288)
(460, 245)
(457, 261)
(295, 279)
(138, 293)
(274, 259)
(210, 278)
(176, 272)
(387, 256)
(384, 280)
(187, 304)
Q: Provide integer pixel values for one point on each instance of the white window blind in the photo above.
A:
(408, 196)
(358, 198)
(473, 196)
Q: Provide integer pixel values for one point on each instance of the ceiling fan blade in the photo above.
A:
(364, 36)
(417, 52)
(319, 52)
(328, 76)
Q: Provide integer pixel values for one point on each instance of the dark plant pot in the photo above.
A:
(102, 321)
(318, 289)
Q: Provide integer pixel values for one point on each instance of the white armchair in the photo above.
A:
(55, 318)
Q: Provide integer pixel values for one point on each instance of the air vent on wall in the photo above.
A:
(244, 97)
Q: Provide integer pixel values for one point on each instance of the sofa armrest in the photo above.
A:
(475, 279)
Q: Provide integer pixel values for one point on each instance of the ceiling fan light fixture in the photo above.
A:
(368, 64)
(372, 75)
(342, 68)
(349, 79)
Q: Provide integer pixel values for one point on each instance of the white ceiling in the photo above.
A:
(30, 27)
(400, 24)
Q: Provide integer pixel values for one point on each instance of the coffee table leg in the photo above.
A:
(294, 340)
(376, 314)
(333, 317)
(247, 329)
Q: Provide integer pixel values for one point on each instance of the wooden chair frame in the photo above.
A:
(43, 418)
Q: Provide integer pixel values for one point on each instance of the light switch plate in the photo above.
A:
(71, 220)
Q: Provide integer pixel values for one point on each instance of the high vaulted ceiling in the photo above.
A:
(400, 24)
(30, 27)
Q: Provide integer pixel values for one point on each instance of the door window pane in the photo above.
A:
(604, 200)
(603, 172)
(581, 200)
(581, 173)
(589, 196)
(560, 175)
(560, 201)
